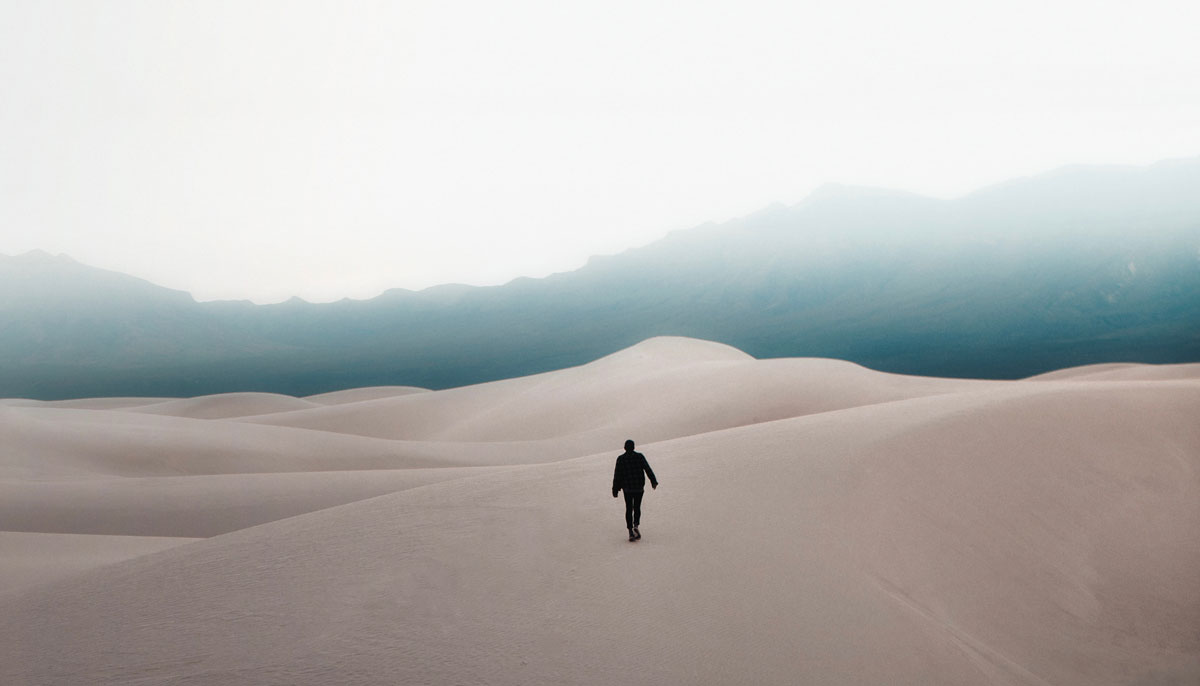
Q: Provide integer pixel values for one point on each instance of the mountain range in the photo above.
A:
(1077, 266)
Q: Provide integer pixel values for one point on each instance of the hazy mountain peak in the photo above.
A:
(441, 293)
(448, 289)
(39, 256)
(38, 279)
(1192, 163)
(1169, 184)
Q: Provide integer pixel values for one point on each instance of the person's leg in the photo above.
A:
(629, 507)
(637, 508)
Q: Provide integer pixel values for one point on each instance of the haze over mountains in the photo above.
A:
(1077, 266)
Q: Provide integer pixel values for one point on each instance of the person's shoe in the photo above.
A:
(636, 534)
(632, 536)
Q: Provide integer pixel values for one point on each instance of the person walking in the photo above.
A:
(630, 476)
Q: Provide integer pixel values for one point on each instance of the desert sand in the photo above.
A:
(816, 523)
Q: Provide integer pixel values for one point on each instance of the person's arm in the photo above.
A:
(649, 473)
(616, 473)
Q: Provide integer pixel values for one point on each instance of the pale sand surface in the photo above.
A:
(225, 405)
(1123, 372)
(85, 403)
(354, 395)
(817, 523)
(195, 506)
(653, 390)
(33, 558)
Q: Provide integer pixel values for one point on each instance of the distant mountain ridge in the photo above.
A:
(1081, 265)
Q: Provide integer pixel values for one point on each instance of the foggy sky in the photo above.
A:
(327, 149)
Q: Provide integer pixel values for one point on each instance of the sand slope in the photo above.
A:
(35, 558)
(354, 395)
(1123, 372)
(85, 403)
(663, 388)
(828, 525)
(226, 405)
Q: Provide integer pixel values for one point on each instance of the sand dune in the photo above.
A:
(85, 403)
(27, 559)
(354, 395)
(49, 443)
(1123, 372)
(663, 388)
(196, 506)
(226, 405)
(817, 522)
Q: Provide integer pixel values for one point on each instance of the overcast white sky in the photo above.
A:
(327, 149)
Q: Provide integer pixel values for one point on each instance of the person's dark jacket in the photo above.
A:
(631, 472)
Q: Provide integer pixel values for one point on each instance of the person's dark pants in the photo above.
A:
(633, 508)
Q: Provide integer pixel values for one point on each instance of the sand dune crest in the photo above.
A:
(354, 395)
(226, 405)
